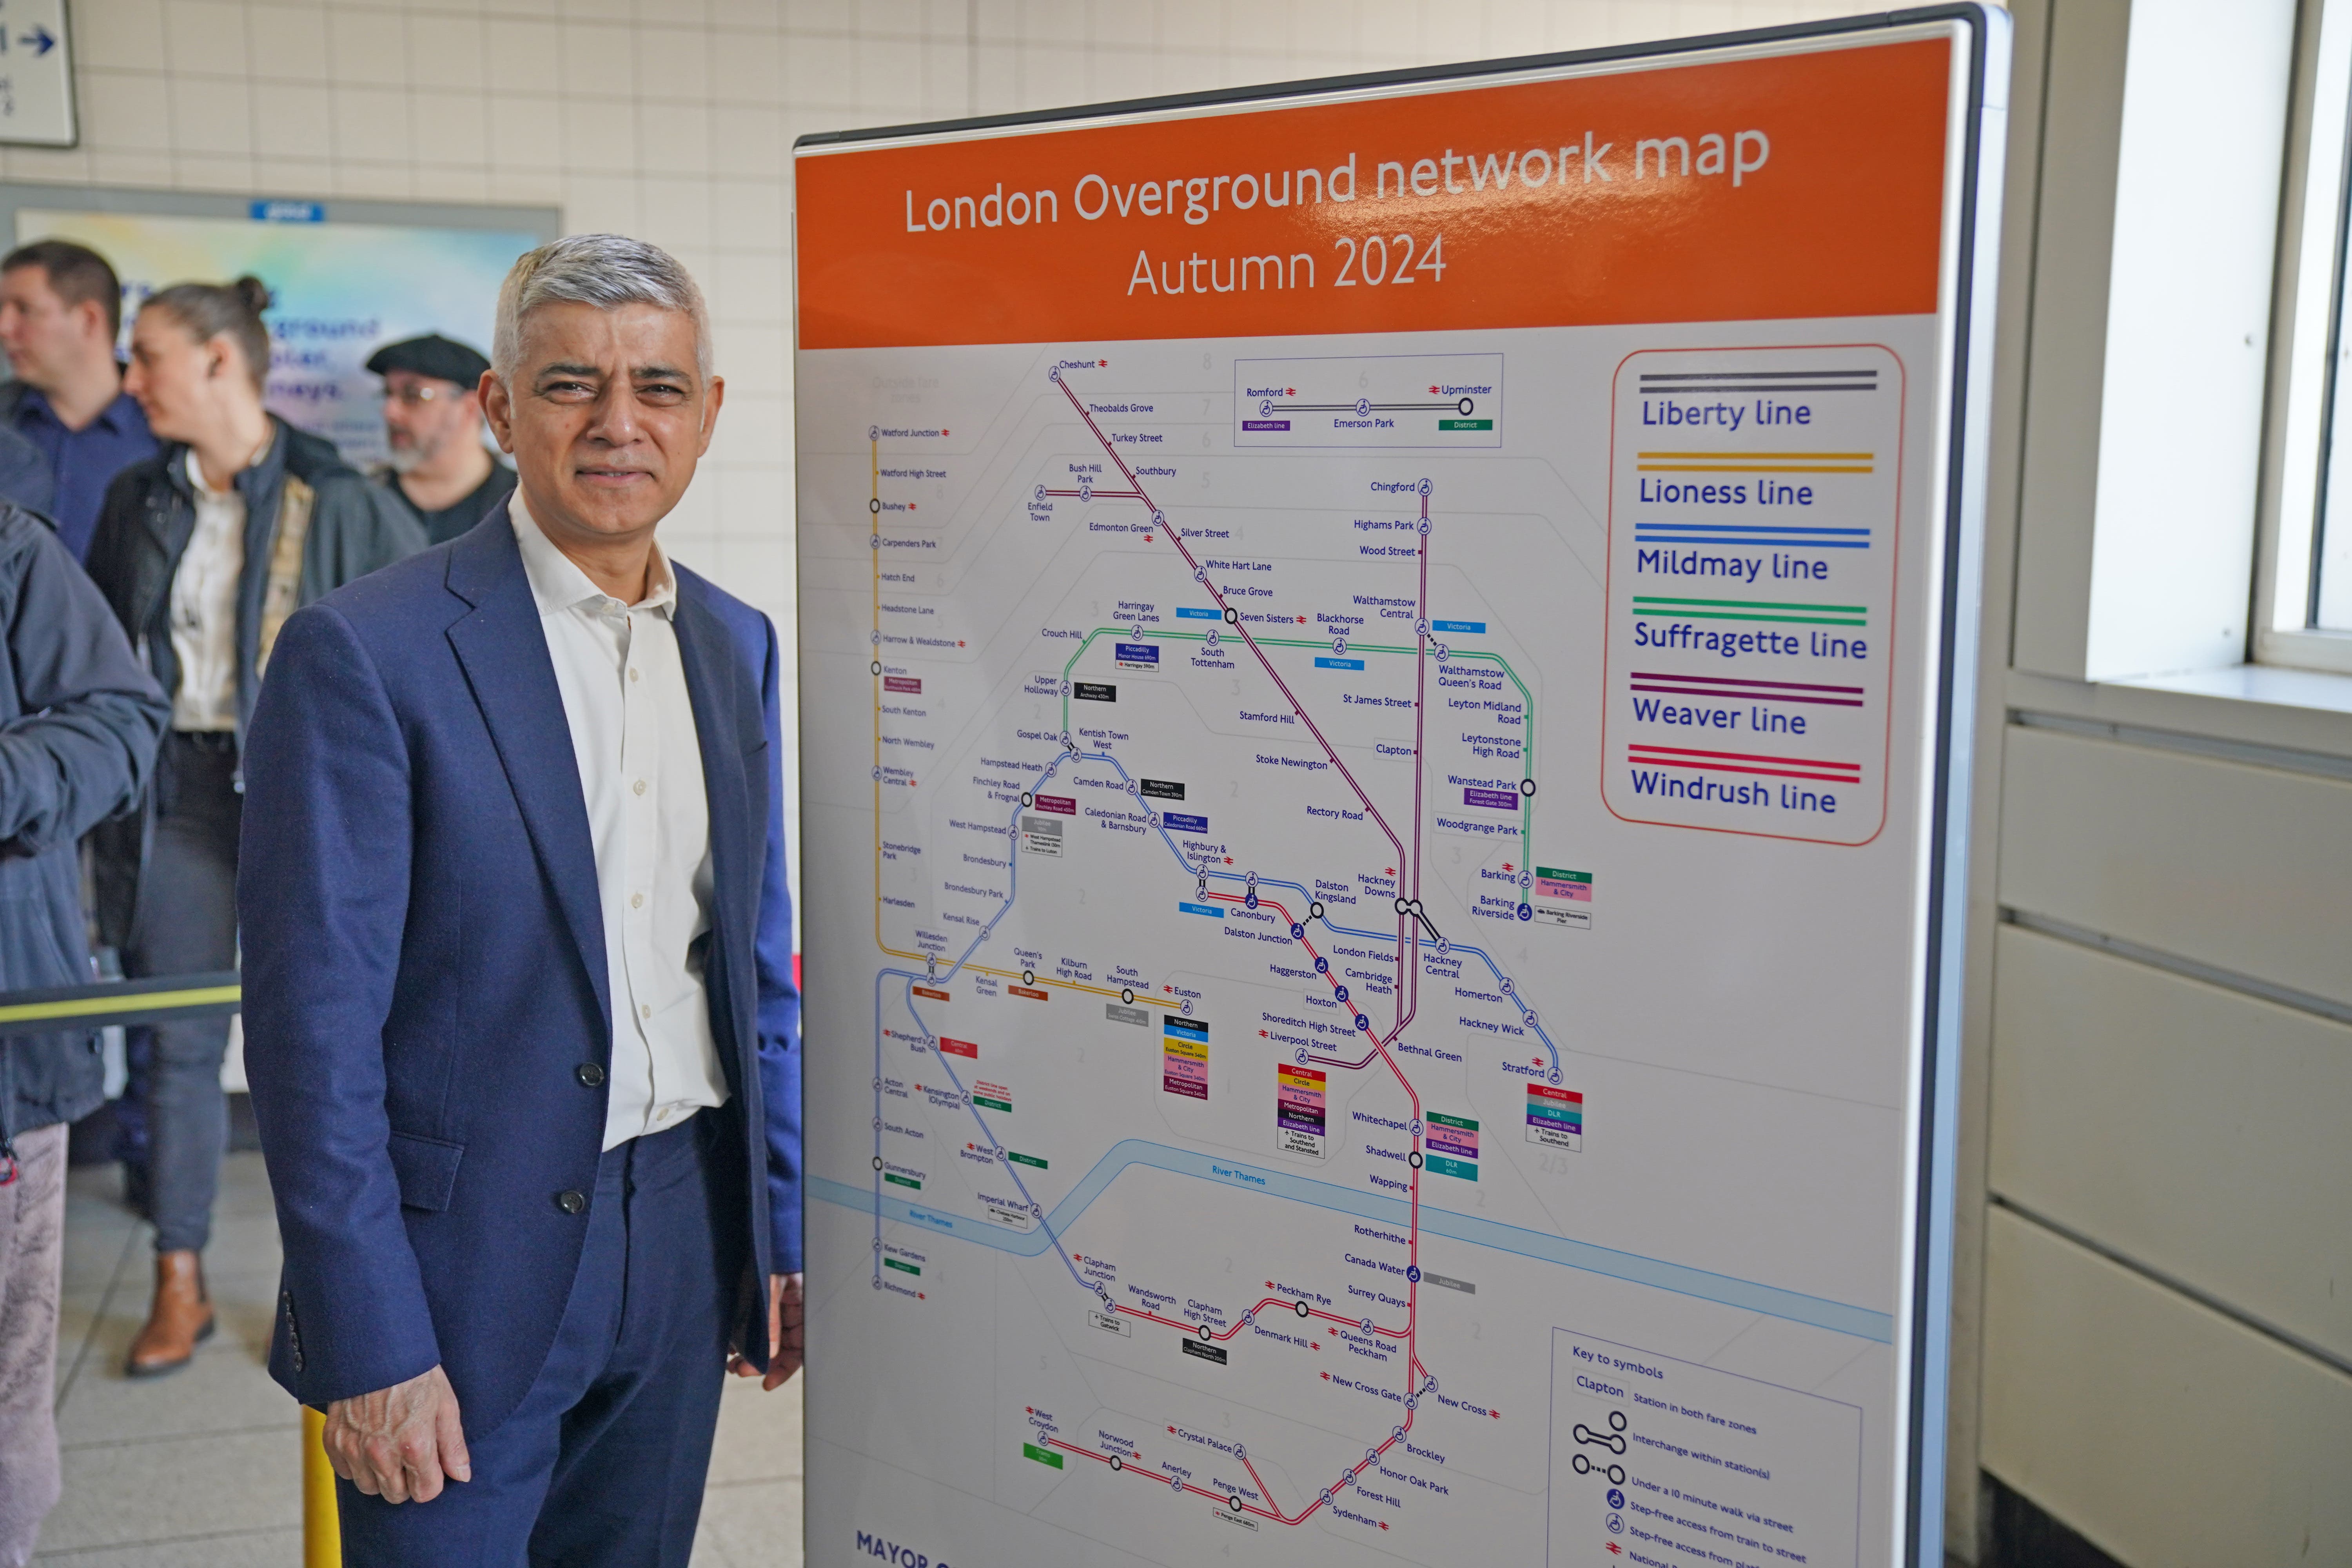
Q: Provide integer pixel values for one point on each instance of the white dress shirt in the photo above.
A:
(634, 737)
(203, 608)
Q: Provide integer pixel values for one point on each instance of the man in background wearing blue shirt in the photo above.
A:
(60, 315)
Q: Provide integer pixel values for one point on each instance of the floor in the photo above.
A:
(203, 1468)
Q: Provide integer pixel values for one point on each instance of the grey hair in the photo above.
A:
(607, 270)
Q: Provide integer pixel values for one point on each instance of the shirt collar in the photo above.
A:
(115, 419)
(557, 583)
(195, 472)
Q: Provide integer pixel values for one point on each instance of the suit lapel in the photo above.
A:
(505, 661)
(712, 682)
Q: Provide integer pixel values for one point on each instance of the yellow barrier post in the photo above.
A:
(322, 1539)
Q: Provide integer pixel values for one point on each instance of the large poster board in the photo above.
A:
(1381, 807)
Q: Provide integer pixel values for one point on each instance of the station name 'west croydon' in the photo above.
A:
(1196, 199)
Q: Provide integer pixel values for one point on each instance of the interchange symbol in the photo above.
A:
(1412, 925)
(1614, 1440)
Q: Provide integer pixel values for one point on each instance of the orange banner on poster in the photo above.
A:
(1801, 185)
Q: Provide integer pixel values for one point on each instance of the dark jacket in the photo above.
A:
(144, 529)
(25, 475)
(427, 1014)
(78, 725)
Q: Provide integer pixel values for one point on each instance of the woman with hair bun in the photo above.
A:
(204, 550)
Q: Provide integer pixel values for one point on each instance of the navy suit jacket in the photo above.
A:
(423, 958)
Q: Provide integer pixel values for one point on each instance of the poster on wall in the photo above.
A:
(1382, 811)
(340, 290)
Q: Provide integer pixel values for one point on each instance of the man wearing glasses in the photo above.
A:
(440, 469)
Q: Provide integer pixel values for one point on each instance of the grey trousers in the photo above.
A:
(187, 924)
(32, 1264)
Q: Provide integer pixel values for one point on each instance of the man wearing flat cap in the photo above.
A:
(432, 422)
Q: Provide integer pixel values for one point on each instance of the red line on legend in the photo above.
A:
(1743, 763)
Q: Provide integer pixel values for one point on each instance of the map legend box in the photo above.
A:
(1676, 1463)
(1754, 536)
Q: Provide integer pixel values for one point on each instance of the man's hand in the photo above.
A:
(398, 1442)
(783, 1335)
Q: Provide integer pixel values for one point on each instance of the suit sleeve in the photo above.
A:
(779, 993)
(322, 898)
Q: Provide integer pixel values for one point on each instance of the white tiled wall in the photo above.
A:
(674, 120)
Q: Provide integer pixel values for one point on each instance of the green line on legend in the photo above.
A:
(1751, 610)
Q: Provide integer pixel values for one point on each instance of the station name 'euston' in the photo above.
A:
(1736, 156)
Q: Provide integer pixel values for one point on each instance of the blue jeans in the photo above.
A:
(602, 1462)
(187, 924)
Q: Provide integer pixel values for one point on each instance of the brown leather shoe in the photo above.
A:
(180, 1321)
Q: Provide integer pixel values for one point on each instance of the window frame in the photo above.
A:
(2310, 354)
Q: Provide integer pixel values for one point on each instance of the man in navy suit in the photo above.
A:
(520, 1019)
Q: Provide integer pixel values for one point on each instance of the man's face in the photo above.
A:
(44, 336)
(423, 415)
(605, 417)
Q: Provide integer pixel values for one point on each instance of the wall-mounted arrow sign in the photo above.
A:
(37, 91)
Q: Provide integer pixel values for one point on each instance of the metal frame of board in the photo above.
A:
(1945, 829)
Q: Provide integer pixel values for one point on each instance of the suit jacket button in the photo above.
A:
(572, 1202)
(589, 1074)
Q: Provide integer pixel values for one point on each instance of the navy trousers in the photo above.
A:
(603, 1463)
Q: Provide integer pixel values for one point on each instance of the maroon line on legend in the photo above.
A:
(1747, 690)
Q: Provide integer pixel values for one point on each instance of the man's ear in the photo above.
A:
(497, 409)
(710, 412)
